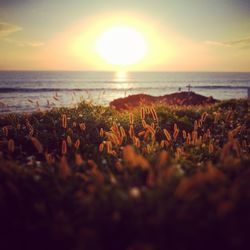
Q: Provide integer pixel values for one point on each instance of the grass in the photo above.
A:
(163, 177)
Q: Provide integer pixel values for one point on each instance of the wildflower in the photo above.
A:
(31, 131)
(92, 164)
(244, 144)
(144, 124)
(11, 145)
(115, 128)
(199, 140)
(175, 127)
(167, 134)
(95, 172)
(151, 129)
(101, 132)
(109, 146)
(49, 158)
(131, 119)
(234, 132)
(64, 169)
(237, 147)
(131, 131)
(210, 148)
(228, 115)
(122, 131)
(64, 147)
(112, 179)
(184, 134)
(64, 121)
(146, 135)
(231, 145)
(200, 123)
(37, 144)
(78, 160)
(54, 97)
(162, 160)
(154, 114)
(148, 149)
(194, 136)
(129, 156)
(195, 125)
(213, 173)
(216, 116)
(208, 133)
(162, 143)
(142, 113)
(176, 132)
(101, 147)
(142, 133)
(115, 139)
(69, 141)
(82, 126)
(137, 142)
(5, 131)
(77, 144)
(204, 116)
(188, 140)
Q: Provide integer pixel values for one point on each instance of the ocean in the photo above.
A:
(31, 90)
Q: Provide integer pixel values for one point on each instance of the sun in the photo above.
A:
(121, 45)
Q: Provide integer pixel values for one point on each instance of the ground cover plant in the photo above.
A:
(154, 177)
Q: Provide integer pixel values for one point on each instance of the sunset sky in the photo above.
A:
(194, 35)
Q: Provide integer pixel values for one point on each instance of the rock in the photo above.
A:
(179, 98)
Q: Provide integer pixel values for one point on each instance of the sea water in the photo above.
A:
(32, 90)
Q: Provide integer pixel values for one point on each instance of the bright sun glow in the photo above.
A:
(121, 46)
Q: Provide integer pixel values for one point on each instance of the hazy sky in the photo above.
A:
(184, 35)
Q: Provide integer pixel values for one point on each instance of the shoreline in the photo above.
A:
(102, 88)
(175, 98)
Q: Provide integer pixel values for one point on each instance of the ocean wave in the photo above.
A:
(37, 90)
(34, 90)
(219, 87)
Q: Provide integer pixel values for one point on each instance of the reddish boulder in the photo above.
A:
(180, 98)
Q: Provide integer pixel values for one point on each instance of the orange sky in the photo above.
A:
(43, 37)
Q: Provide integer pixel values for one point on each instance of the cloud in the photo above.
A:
(6, 29)
(216, 43)
(34, 44)
(24, 43)
(243, 43)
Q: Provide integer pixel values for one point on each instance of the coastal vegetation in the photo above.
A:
(151, 177)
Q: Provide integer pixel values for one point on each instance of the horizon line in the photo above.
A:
(132, 71)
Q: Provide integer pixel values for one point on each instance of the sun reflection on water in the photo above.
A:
(120, 76)
(122, 82)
